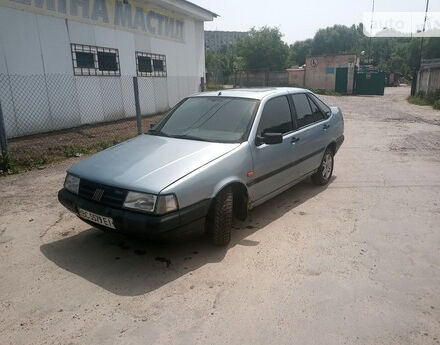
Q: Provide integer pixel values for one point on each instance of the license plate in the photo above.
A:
(96, 218)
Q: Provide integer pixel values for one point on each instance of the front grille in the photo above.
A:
(110, 196)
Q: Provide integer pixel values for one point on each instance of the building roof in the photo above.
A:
(257, 93)
(186, 7)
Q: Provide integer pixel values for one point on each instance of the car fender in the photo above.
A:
(205, 182)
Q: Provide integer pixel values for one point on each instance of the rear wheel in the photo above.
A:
(219, 223)
(325, 170)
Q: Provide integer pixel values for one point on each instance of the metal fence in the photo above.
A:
(44, 118)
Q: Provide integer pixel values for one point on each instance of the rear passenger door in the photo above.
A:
(311, 132)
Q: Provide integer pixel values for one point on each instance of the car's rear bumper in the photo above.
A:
(339, 142)
(188, 219)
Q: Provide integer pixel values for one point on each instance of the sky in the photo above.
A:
(299, 20)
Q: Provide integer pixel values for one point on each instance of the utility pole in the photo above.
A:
(423, 33)
(371, 34)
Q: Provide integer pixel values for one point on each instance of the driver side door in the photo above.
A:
(273, 163)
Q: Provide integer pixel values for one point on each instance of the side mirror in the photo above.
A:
(270, 139)
(152, 125)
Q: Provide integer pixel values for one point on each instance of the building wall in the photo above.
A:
(321, 71)
(428, 79)
(38, 89)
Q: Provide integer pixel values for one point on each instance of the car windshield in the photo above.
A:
(216, 119)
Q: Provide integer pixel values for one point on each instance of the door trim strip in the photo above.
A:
(287, 166)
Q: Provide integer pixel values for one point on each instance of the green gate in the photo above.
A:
(370, 83)
(341, 79)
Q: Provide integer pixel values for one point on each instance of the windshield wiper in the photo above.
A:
(156, 132)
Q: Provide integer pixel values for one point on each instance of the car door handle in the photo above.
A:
(294, 140)
(326, 126)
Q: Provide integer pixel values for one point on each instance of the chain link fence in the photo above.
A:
(44, 118)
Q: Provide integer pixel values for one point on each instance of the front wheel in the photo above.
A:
(325, 170)
(219, 224)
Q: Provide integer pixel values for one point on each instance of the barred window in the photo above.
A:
(107, 61)
(151, 65)
(144, 64)
(95, 61)
(85, 60)
(158, 65)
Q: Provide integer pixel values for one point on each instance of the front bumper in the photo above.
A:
(188, 219)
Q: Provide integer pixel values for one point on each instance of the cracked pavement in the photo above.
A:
(357, 262)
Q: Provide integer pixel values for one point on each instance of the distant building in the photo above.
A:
(331, 72)
(216, 40)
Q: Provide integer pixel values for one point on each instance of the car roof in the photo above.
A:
(254, 93)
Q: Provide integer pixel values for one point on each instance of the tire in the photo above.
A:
(219, 223)
(325, 170)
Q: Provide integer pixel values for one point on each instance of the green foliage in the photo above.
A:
(264, 49)
(417, 100)
(423, 98)
(391, 54)
(226, 60)
(299, 50)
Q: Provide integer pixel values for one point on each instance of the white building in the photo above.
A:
(64, 63)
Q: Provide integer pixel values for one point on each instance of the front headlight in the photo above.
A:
(151, 203)
(71, 183)
(140, 201)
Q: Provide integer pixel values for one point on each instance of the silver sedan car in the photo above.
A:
(213, 157)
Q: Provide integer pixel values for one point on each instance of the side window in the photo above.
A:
(304, 115)
(324, 107)
(276, 117)
(316, 112)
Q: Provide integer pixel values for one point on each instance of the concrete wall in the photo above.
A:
(321, 70)
(296, 76)
(428, 79)
(39, 92)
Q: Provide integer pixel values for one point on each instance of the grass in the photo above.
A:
(431, 98)
(418, 100)
(31, 159)
(325, 92)
(214, 87)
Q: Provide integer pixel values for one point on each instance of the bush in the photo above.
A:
(421, 94)
(418, 100)
(437, 104)
(431, 96)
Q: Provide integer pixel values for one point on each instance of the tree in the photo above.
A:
(264, 49)
(335, 39)
(393, 54)
(299, 51)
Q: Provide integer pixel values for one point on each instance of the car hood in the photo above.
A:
(148, 163)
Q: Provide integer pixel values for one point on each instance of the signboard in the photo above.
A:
(330, 70)
(314, 62)
(133, 16)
